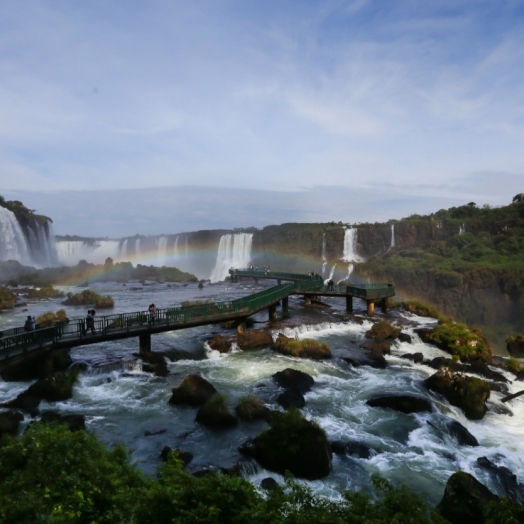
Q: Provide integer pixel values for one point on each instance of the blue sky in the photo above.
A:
(395, 106)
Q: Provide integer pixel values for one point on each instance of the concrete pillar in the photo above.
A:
(241, 327)
(144, 343)
(256, 280)
(285, 303)
(371, 307)
(384, 305)
(272, 312)
(349, 303)
(307, 300)
(279, 281)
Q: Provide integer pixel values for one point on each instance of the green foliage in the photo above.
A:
(459, 340)
(219, 403)
(515, 338)
(49, 318)
(423, 309)
(89, 298)
(514, 365)
(44, 292)
(7, 298)
(297, 347)
(189, 303)
(250, 408)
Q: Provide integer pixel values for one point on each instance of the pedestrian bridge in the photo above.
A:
(16, 344)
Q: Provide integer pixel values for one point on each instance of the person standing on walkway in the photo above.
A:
(29, 324)
(90, 321)
(152, 313)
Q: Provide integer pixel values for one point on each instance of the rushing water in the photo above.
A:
(121, 403)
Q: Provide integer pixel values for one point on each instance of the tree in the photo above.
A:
(518, 198)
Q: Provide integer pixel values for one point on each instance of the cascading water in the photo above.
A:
(32, 245)
(392, 236)
(324, 259)
(14, 245)
(234, 250)
(162, 250)
(462, 229)
(331, 273)
(95, 252)
(350, 246)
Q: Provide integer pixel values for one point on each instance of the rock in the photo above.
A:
(301, 348)
(291, 398)
(254, 339)
(293, 444)
(293, 378)
(370, 357)
(193, 391)
(467, 393)
(378, 346)
(415, 357)
(404, 337)
(251, 408)
(505, 478)
(465, 500)
(515, 346)
(155, 362)
(73, 422)
(479, 367)
(424, 334)
(10, 422)
(443, 362)
(382, 330)
(269, 484)
(155, 432)
(463, 436)
(402, 403)
(215, 413)
(25, 403)
(220, 343)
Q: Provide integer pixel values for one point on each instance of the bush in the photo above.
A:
(514, 365)
(49, 318)
(44, 292)
(89, 298)
(7, 298)
(459, 340)
(251, 408)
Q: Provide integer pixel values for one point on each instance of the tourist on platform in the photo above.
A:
(330, 285)
(30, 323)
(90, 320)
(152, 313)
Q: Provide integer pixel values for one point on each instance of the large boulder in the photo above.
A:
(467, 393)
(293, 444)
(251, 408)
(505, 478)
(378, 346)
(193, 391)
(459, 432)
(154, 362)
(220, 343)
(306, 348)
(515, 346)
(215, 413)
(253, 339)
(402, 403)
(9, 422)
(383, 330)
(291, 398)
(465, 500)
(293, 378)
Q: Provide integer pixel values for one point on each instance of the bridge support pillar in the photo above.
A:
(241, 327)
(256, 280)
(279, 281)
(272, 312)
(144, 343)
(384, 305)
(349, 304)
(307, 300)
(48, 365)
(371, 307)
(285, 303)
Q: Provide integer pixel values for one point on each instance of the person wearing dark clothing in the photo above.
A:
(330, 285)
(90, 320)
(29, 324)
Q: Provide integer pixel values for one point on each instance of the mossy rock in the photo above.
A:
(251, 408)
(215, 413)
(294, 444)
(467, 393)
(306, 348)
(193, 391)
(382, 330)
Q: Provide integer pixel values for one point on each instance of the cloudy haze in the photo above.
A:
(240, 113)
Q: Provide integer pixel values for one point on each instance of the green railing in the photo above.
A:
(14, 345)
(260, 273)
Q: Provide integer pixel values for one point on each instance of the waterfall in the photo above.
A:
(324, 259)
(95, 252)
(350, 246)
(331, 273)
(234, 250)
(187, 248)
(462, 229)
(175, 249)
(350, 270)
(392, 236)
(162, 250)
(14, 244)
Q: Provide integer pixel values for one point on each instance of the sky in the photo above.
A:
(165, 116)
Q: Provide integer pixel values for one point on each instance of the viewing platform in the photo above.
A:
(16, 344)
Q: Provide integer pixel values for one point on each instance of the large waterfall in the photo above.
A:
(392, 236)
(324, 259)
(234, 250)
(350, 246)
(33, 247)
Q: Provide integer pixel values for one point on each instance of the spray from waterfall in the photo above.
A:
(331, 273)
(350, 270)
(234, 250)
(162, 249)
(14, 245)
(187, 248)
